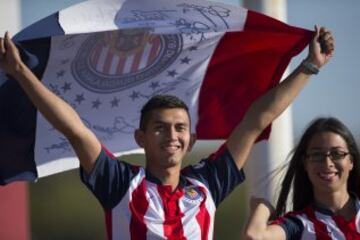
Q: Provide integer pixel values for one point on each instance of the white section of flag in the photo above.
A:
(162, 16)
(53, 147)
(183, 80)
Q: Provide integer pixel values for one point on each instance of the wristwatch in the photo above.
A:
(310, 67)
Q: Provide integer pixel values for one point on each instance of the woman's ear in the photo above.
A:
(139, 137)
(192, 141)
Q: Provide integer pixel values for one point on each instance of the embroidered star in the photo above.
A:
(115, 102)
(185, 60)
(172, 73)
(154, 85)
(79, 98)
(193, 48)
(55, 89)
(96, 104)
(66, 87)
(135, 95)
(60, 73)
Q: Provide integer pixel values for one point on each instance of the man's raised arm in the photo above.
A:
(60, 114)
(269, 106)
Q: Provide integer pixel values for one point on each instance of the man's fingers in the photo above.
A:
(2, 47)
(8, 42)
(316, 36)
(2, 51)
(322, 30)
(326, 41)
(328, 49)
(317, 30)
(325, 36)
(329, 40)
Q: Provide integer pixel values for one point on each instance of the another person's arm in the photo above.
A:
(269, 106)
(257, 227)
(60, 114)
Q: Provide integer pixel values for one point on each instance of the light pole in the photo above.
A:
(268, 156)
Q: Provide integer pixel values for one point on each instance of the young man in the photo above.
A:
(163, 201)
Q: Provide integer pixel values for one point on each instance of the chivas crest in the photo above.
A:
(113, 61)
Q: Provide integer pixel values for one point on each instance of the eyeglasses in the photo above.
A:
(334, 155)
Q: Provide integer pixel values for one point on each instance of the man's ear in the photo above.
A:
(192, 141)
(139, 137)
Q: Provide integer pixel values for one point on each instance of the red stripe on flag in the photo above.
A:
(203, 218)
(173, 228)
(96, 55)
(155, 43)
(243, 67)
(138, 207)
(108, 61)
(121, 65)
(136, 61)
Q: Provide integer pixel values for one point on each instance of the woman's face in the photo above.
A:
(328, 163)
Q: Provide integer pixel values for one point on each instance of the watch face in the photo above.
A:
(309, 67)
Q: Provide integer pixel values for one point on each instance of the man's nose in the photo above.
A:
(171, 133)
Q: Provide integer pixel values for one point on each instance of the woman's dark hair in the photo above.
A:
(298, 178)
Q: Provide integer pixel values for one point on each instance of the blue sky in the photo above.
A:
(335, 91)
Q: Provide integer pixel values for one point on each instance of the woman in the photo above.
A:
(325, 174)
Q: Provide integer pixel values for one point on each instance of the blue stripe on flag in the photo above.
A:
(18, 117)
(46, 27)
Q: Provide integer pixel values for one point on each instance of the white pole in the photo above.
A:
(273, 8)
(267, 156)
(10, 16)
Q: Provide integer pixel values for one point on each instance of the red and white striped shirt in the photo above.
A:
(318, 223)
(138, 206)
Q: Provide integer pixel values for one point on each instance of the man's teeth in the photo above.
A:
(172, 147)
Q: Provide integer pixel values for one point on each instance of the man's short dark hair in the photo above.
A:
(160, 102)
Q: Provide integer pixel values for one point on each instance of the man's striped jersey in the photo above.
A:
(138, 206)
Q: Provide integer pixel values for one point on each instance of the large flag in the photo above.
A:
(107, 57)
